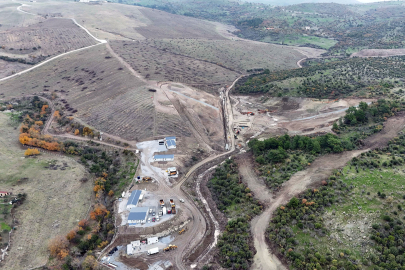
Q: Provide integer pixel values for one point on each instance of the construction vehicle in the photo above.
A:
(146, 178)
(182, 231)
(171, 202)
(173, 209)
(263, 111)
(153, 251)
(162, 203)
(170, 247)
(248, 113)
(172, 171)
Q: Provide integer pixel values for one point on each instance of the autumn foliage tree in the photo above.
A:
(71, 235)
(99, 212)
(58, 247)
(83, 223)
(56, 114)
(31, 152)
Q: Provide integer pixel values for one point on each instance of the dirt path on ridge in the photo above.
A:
(319, 170)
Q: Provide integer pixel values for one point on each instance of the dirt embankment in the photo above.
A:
(319, 170)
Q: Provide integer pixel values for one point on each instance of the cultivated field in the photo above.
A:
(161, 65)
(239, 55)
(56, 199)
(104, 93)
(51, 37)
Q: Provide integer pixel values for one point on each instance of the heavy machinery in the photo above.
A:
(170, 247)
(162, 203)
(263, 111)
(171, 202)
(146, 178)
(248, 113)
(173, 209)
(182, 231)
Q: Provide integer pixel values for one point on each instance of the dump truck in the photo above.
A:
(153, 251)
(171, 202)
(173, 209)
(146, 178)
(162, 203)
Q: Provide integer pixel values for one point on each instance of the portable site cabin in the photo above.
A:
(163, 157)
(134, 199)
(130, 250)
(152, 240)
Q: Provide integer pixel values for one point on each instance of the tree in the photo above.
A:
(363, 106)
(77, 132)
(71, 235)
(335, 127)
(56, 114)
(31, 152)
(83, 223)
(58, 246)
(99, 212)
(111, 193)
(89, 263)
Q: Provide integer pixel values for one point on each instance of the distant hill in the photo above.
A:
(294, 2)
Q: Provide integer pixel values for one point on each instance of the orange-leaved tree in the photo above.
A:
(99, 212)
(31, 152)
(43, 110)
(58, 246)
(56, 114)
(71, 235)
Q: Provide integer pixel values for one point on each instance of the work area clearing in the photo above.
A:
(145, 212)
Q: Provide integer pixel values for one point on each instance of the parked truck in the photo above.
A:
(173, 209)
(162, 203)
(171, 202)
(153, 251)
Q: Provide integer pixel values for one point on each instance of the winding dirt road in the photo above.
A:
(319, 170)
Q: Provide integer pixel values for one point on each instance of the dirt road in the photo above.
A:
(319, 170)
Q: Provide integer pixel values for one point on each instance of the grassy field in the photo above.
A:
(56, 199)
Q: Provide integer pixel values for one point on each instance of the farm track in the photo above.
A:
(319, 170)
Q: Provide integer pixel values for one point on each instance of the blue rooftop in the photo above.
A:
(163, 156)
(138, 213)
(134, 198)
(170, 141)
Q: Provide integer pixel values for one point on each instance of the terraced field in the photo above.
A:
(51, 37)
(238, 55)
(102, 93)
(161, 65)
